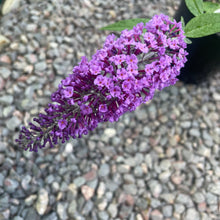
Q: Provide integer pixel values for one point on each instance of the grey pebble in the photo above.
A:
(87, 208)
(4, 202)
(112, 210)
(61, 210)
(104, 170)
(192, 214)
(1, 178)
(6, 99)
(155, 188)
(72, 208)
(42, 201)
(130, 188)
(25, 183)
(18, 218)
(184, 199)
(10, 185)
(103, 215)
(30, 200)
(51, 216)
(7, 111)
(194, 132)
(198, 197)
(138, 171)
(214, 188)
(41, 66)
(185, 124)
(79, 181)
(5, 72)
(167, 210)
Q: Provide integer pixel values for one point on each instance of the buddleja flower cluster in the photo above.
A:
(125, 73)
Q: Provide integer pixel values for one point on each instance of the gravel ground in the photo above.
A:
(160, 162)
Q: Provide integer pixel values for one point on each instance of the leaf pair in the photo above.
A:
(203, 24)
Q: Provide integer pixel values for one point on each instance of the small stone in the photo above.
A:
(4, 202)
(167, 210)
(109, 132)
(25, 182)
(79, 181)
(7, 111)
(204, 151)
(101, 189)
(185, 124)
(211, 199)
(129, 179)
(198, 197)
(104, 170)
(87, 208)
(184, 199)
(156, 215)
(91, 175)
(165, 164)
(102, 205)
(123, 168)
(130, 161)
(72, 208)
(139, 217)
(130, 189)
(31, 58)
(68, 148)
(194, 132)
(103, 215)
(179, 208)
(112, 210)
(192, 214)
(42, 201)
(10, 185)
(18, 218)
(9, 5)
(41, 66)
(138, 171)
(69, 29)
(214, 188)
(6, 99)
(5, 72)
(13, 123)
(168, 197)
(164, 176)
(2, 83)
(30, 200)
(155, 188)
(87, 192)
(61, 211)
(5, 59)
(3, 41)
(146, 131)
(216, 96)
(31, 27)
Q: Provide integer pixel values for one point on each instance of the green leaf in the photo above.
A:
(203, 25)
(195, 6)
(125, 24)
(183, 22)
(210, 7)
(187, 40)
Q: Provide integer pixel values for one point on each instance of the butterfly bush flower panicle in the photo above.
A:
(125, 73)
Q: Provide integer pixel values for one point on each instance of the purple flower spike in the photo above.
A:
(125, 73)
